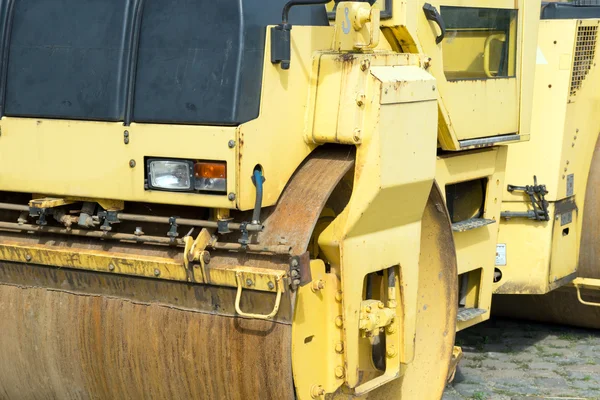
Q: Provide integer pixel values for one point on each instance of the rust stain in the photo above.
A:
(346, 58)
(301, 203)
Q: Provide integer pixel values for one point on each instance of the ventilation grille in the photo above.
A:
(585, 51)
(586, 2)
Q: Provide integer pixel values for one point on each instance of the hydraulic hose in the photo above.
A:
(258, 182)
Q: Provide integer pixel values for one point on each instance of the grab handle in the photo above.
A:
(238, 297)
(486, 52)
(432, 14)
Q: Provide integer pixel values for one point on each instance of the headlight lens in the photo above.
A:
(210, 176)
(170, 174)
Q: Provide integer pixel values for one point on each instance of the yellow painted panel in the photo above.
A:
(564, 256)
(275, 140)
(90, 159)
(475, 249)
(542, 155)
(528, 247)
(479, 108)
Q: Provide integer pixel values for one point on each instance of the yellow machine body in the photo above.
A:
(386, 151)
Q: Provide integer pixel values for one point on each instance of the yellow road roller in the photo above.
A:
(272, 199)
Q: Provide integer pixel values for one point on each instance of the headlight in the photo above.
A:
(186, 175)
(170, 175)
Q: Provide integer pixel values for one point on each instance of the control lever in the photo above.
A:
(432, 14)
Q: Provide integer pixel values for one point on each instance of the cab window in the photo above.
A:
(480, 43)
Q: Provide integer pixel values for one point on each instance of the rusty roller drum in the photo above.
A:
(562, 306)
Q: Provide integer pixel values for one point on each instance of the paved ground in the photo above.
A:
(507, 359)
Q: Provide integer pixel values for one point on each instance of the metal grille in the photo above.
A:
(585, 51)
(586, 2)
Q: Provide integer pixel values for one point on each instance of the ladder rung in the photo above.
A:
(472, 223)
(466, 314)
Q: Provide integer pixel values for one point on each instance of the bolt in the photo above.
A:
(340, 372)
(433, 88)
(126, 133)
(156, 272)
(565, 169)
(339, 347)
(577, 130)
(357, 135)
(296, 282)
(231, 144)
(360, 100)
(567, 162)
(231, 196)
(249, 282)
(364, 65)
(132, 163)
(556, 218)
(28, 257)
(380, 305)
(563, 177)
(338, 296)
(126, 140)
(391, 328)
(573, 144)
(294, 263)
(295, 273)
(318, 285)
(368, 309)
(206, 257)
(316, 391)
(391, 352)
(111, 267)
(271, 285)
(339, 321)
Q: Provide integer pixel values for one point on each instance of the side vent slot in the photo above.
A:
(469, 285)
(466, 204)
(585, 52)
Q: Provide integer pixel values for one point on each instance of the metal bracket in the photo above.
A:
(536, 195)
(244, 240)
(110, 217)
(172, 234)
(41, 213)
(300, 270)
(223, 226)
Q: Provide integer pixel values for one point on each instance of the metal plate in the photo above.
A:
(570, 184)
(501, 254)
(566, 218)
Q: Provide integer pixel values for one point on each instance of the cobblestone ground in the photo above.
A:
(507, 359)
